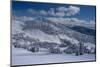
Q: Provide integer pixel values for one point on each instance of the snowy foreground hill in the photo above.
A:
(40, 40)
(24, 57)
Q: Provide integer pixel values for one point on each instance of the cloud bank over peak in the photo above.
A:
(59, 11)
(71, 10)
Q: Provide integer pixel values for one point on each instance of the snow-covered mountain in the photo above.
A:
(50, 30)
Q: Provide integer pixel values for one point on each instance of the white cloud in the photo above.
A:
(60, 20)
(72, 10)
(23, 18)
(77, 20)
(59, 12)
(43, 12)
(74, 21)
(67, 11)
(61, 9)
(51, 12)
(32, 11)
(92, 22)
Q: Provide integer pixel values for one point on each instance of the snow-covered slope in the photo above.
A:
(72, 22)
(43, 33)
(43, 37)
(24, 57)
(47, 30)
(16, 26)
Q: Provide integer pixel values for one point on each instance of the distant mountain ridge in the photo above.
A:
(51, 28)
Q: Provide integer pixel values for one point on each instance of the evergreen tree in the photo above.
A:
(81, 48)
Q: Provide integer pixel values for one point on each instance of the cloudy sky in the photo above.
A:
(76, 12)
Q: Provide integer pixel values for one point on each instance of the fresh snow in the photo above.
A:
(72, 40)
(16, 26)
(23, 57)
(43, 37)
(89, 45)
